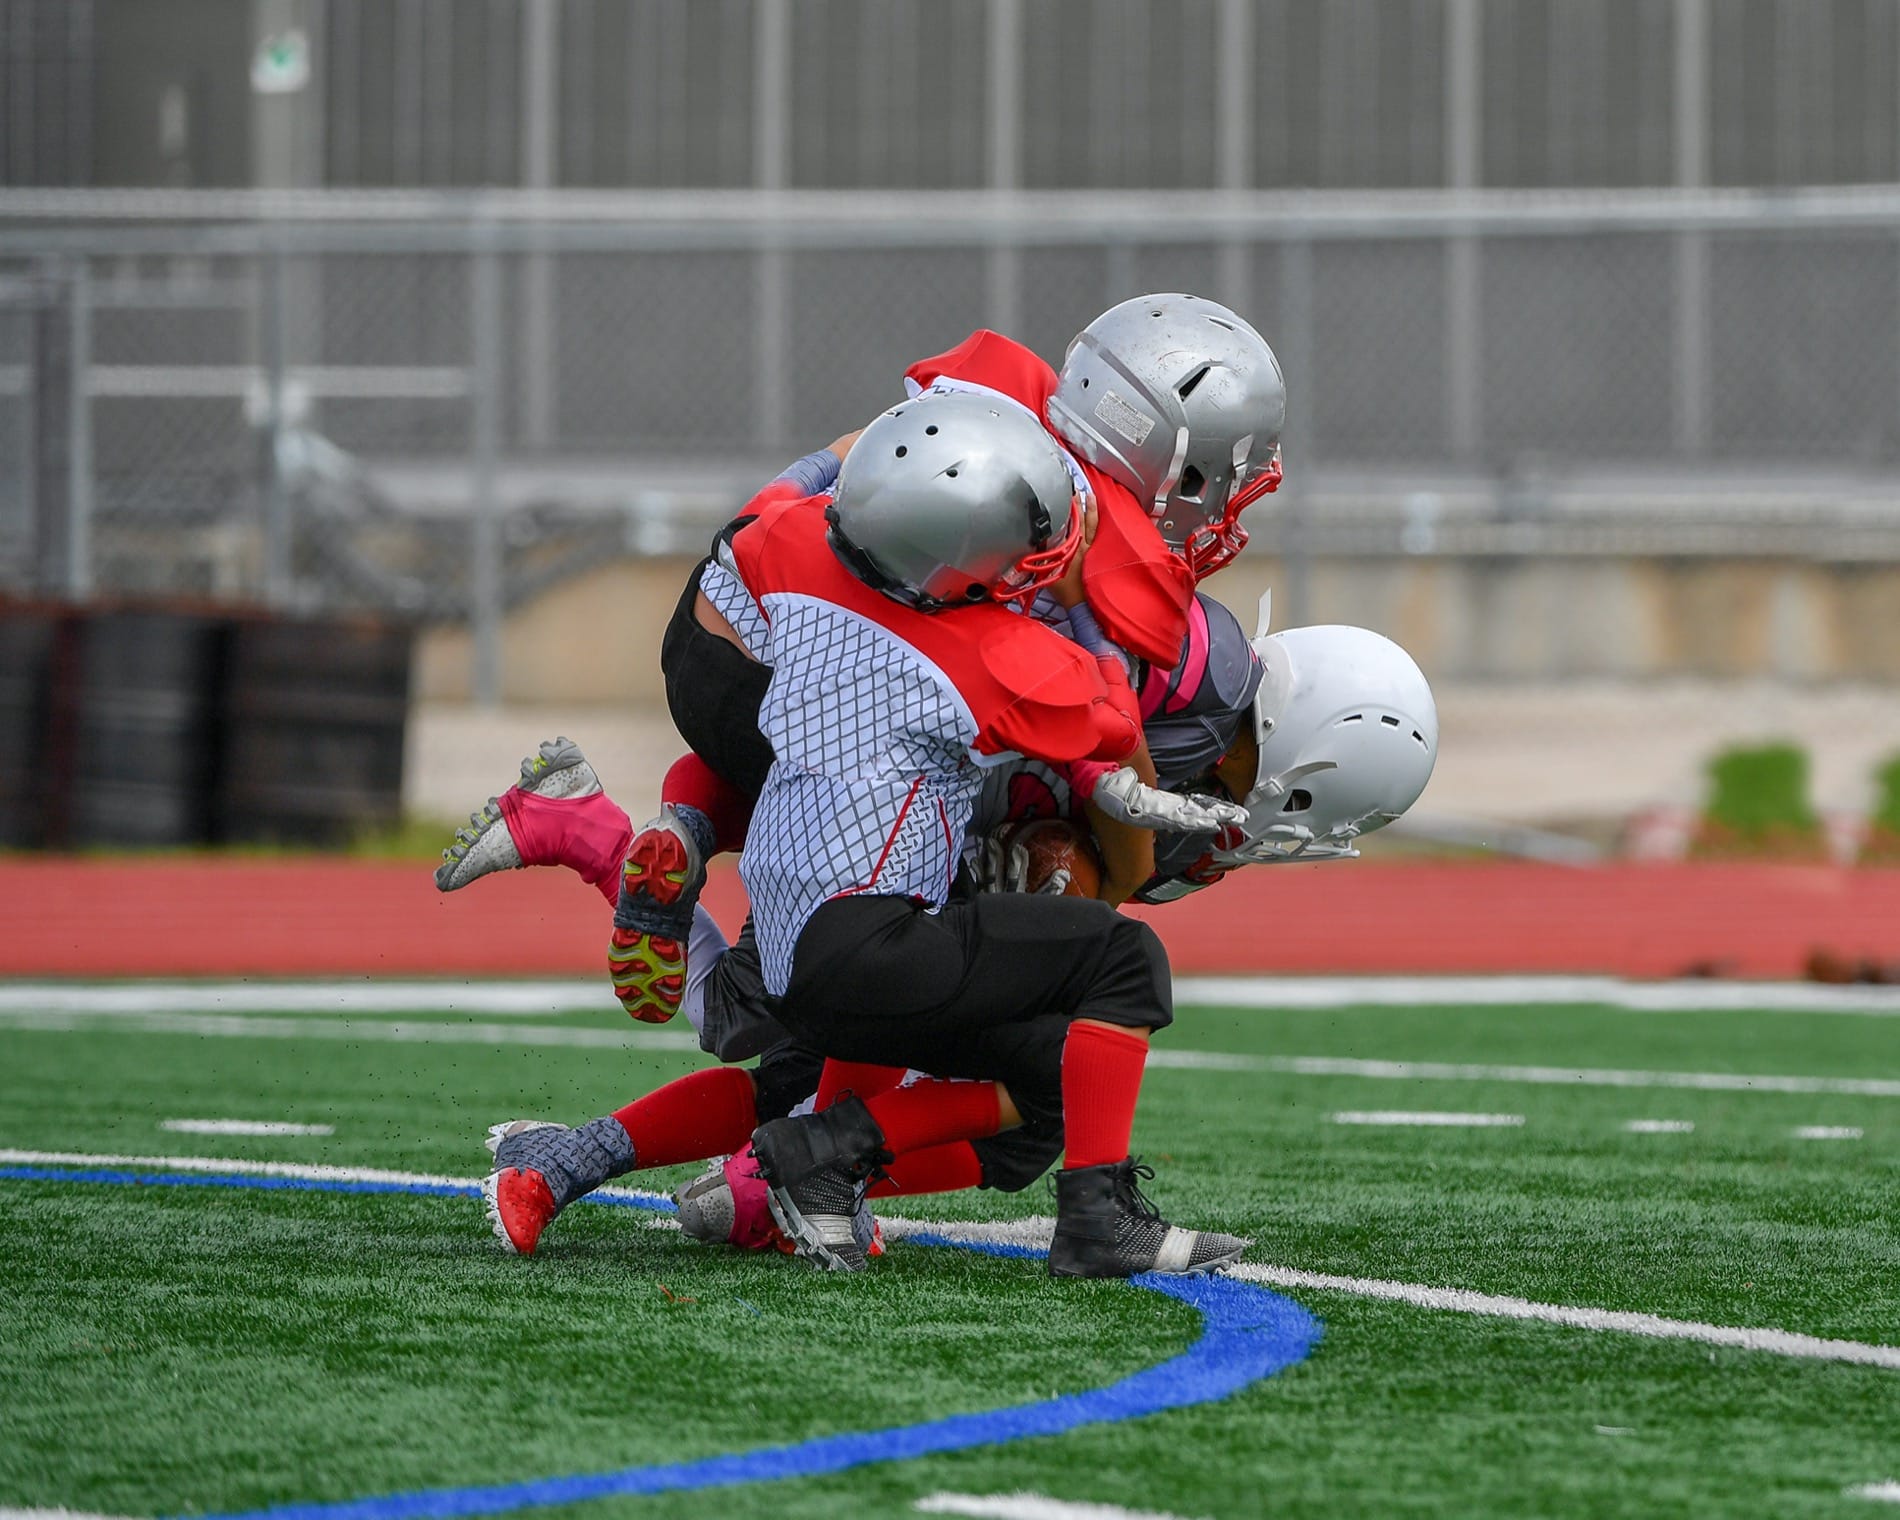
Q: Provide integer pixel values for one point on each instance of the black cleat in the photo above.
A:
(1106, 1228)
(818, 1167)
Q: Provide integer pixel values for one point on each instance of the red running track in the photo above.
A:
(369, 918)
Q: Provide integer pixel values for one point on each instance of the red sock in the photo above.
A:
(934, 1112)
(940, 1169)
(692, 781)
(706, 1113)
(859, 1078)
(1101, 1079)
(588, 835)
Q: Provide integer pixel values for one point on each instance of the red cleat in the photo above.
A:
(663, 870)
(520, 1207)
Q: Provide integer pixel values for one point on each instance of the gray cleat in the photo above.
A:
(1106, 1227)
(556, 770)
(706, 1208)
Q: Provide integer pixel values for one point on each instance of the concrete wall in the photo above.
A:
(596, 639)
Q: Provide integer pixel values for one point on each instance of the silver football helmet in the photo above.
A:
(1181, 401)
(955, 498)
(1348, 733)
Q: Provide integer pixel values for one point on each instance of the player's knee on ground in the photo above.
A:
(1017, 1157)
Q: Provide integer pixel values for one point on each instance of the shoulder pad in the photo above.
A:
(1051, 704)
(1138, 590)
(989, 358)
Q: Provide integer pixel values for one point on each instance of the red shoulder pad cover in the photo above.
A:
(1029, 689)
(988, 358)
(1059, 709)
(1139, 590)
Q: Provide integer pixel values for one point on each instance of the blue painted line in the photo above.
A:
(1247, 1334)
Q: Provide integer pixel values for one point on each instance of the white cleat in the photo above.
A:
(556, 770)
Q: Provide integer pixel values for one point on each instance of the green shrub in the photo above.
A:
(1758, 800)
(1886, 815)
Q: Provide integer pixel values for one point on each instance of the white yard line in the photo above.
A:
(1685, 996)
(385, 1031)
(1035, 1232)
(436, 996)
(239, 1166)
(1887, 1492)
(1459, 1301)
(1021, 1506)
(53, 1514)
(243, 1127)
(1539, 1076)
(570, 995)
(1827, 1132)
(1660, 1127)
(1427, 1119)
(450, 1032)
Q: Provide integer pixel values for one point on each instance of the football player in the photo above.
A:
(1328, 732)
(1167, 413)
(896, 674)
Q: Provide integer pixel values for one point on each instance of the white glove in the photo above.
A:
(1123, 796)
(1004, 867)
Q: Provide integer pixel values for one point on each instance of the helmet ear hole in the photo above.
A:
(1193, 484)
(1298, 800)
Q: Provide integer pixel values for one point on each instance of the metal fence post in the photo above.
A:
(485, 582)
(1296, 356)
(79, 460)
(1233, 105)
(771, 170)
(276, 327)
(1692, 248)
(540, 82)
(1003, 264)
(1464, 159)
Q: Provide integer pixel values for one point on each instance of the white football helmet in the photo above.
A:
(1348, 733)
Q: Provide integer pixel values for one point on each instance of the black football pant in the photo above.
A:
(713, 692)
(985, 988)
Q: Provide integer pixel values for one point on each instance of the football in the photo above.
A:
(1054, 844)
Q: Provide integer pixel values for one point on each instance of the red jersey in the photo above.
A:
(1138, 588)
(1029, 690)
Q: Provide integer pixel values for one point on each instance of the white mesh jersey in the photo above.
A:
(874, 778)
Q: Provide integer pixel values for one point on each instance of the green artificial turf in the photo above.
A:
(179, 1350)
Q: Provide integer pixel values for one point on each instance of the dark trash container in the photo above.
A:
(28, 641)
(313, 719)
(145, 729)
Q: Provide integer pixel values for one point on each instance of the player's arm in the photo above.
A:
(1128, 855)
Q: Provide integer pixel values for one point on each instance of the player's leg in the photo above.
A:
(821, 1165)
(556, 814)
(540, 1168)
(1052, 996)
(713, 692)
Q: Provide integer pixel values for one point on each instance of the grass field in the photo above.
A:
(177, 1349)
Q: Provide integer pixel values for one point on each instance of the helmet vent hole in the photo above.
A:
(1186, 387)
(901, 451)
(1389, 721)
(1421, 739)
(1298, 800)
(1354, 718)
(951, 473)
(931, 431)
(1085, 382)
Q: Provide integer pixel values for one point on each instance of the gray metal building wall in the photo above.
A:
(1340, 94)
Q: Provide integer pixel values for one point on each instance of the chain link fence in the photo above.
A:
(439, 407)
